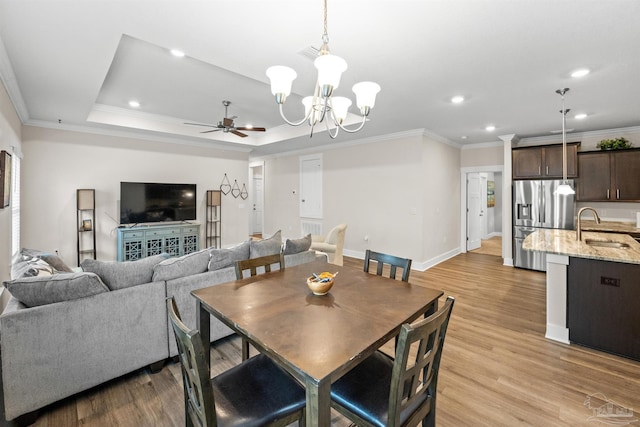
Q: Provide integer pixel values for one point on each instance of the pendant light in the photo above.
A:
(565, 188)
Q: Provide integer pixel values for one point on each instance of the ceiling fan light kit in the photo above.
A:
(322, 104)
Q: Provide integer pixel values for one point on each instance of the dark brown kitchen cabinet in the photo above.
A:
(544, 161)
(603, 306)
(609, 176)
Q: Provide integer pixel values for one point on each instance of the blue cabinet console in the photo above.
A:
(143, 241)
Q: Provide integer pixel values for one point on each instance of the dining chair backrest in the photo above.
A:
(414, 380)
(392, 261)
(253, 264)
(198, 392)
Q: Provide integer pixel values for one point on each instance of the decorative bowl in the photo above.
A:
(319, 287)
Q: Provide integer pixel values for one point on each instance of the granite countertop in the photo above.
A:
(610, 226)
(563, 242)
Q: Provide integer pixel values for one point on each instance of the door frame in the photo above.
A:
(463, 200)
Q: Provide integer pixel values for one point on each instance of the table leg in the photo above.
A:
(203, 324)
(318, 403)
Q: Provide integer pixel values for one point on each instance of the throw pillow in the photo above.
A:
(221, 258)
(186, 265)
(52, 259)
(35, 291)
(269, 246)
(297, 245)
(118, 275)
(31, 267)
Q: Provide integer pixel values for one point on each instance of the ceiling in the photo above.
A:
(77, 63)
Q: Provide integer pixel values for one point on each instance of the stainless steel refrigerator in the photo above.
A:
(536, 206)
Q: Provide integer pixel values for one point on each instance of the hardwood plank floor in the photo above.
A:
(497, 367)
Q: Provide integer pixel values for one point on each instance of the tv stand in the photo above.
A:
(141, 241)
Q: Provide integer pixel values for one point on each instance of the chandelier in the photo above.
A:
(564, 189)
(322, 106)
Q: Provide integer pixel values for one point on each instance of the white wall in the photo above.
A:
(402, 193)
(10, 134)
(57, 162)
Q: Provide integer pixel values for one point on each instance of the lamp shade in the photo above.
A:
(330, 69)
(366, 94)
(309, 109)
(281, 78)
(565, 189)
(340, 107)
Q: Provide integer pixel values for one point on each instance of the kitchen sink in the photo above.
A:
(607, 243)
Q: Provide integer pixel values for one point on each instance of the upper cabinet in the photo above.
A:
(544, 162)
(609, 176)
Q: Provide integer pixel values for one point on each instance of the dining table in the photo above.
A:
(316, 338)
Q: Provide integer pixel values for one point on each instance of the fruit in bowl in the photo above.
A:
(320, 284)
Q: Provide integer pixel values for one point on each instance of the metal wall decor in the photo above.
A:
(225, 186)
(235, 191)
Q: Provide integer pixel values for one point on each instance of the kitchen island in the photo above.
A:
(589, 286)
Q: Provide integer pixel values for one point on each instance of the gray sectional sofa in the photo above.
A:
(64, 333)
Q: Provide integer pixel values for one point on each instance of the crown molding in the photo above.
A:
(8, 78)
(143, 136)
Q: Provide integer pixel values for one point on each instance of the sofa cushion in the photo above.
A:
(297, 245)
(221, 258)
(268, 246)
(186, 265)
(118, 275)
(41, 290)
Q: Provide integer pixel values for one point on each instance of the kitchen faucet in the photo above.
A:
(579, 226)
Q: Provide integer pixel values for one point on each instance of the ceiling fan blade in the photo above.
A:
(240, 134)
(201, 124)
(227, 122)
(209, 131)
(255, 129)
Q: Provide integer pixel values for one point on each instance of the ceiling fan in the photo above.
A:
(227, 125)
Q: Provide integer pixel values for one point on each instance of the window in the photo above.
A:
(15, 203)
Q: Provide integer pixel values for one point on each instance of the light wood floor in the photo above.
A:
(497, 367)
(491, 246)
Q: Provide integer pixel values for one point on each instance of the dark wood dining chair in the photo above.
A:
(253, 264)
(401, 392)
(393, 262)
(256, 392)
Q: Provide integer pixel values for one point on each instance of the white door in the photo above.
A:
(311, 186)
(256, 221)
(474, 218)
(483, 206)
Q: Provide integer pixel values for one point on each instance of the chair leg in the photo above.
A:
(245, 349)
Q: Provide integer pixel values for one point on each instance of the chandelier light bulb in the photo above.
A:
(330, 69)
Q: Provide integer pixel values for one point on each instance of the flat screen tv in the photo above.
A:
(142, 202)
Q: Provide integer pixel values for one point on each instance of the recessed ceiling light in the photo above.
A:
(463, 137)
(580, 116)
(134, 104)
(457, 99)
(177, 53)
(580, 73)
(490, 128)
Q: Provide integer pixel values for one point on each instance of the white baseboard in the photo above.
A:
(419, 266)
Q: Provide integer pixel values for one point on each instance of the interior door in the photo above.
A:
(311, 186)
(474, 212)
(257, 212)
